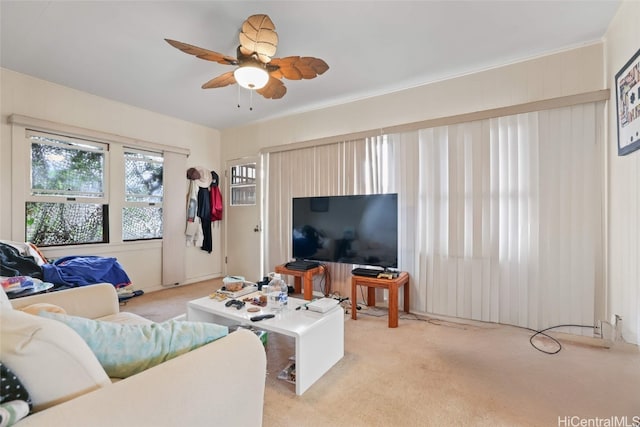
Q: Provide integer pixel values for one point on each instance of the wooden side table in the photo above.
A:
(391, 284)
(304, 279)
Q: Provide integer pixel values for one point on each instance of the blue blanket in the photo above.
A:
(85, 270)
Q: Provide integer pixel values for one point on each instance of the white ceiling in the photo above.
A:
(115, 49)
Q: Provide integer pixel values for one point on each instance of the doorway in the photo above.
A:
(243, 228)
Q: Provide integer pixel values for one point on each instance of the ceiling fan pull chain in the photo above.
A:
(238, 96)
(250, 100)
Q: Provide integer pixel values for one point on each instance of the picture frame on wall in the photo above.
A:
(628, 106)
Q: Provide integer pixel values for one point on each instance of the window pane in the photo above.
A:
(243, 195)
(141, 222)
(243, 184)
(143, 177)
(49, 224)
(243, 174)
(62, 168)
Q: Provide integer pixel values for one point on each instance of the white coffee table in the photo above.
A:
(319, 338)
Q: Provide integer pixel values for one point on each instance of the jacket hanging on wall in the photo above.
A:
(204, 213)
(201, 179)
(216, 198)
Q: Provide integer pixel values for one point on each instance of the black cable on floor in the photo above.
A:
(542, 332)
(536, 332)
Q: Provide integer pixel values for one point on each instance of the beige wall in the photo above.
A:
(566, 73)
(21, 94)
(621, 42)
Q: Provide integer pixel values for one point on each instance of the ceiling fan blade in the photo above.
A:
(201, 53)
(222, 80)
(274, 89)
(297, 68)
(258, 36)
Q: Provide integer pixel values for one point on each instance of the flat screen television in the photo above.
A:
(359, 229)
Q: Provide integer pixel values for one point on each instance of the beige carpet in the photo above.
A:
(439, 373)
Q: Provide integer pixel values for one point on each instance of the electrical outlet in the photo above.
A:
(597, 328)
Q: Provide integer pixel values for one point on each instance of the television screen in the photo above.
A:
(347, 229)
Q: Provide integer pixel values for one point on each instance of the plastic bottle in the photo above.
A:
(278, 293)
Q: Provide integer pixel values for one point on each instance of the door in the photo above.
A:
(243, 229)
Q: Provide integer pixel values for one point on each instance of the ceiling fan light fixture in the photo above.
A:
(257, 69)
(251, 77)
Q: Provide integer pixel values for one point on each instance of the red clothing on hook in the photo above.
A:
(216, 203)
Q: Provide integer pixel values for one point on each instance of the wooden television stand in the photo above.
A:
(303, 279)
(391, 284)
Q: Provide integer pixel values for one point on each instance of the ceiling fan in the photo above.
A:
(257, 69)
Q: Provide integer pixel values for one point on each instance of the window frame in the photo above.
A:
(103, 199)
(30, 197)
(247, 183)
(18, 180)
(113, 171)
(140, 204)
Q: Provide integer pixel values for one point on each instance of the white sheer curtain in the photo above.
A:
(500, 220)
(509, 218)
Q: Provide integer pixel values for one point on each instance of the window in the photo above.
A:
(66, 204)
(142, 213)
(243, 184)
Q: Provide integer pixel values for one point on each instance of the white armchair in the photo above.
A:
(221, 383)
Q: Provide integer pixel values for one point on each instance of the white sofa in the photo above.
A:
(221, 383)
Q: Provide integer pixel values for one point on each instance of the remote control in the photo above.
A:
(262, 316)
(237, 303)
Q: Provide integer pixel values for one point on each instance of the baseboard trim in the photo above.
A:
(581, 339)
(560, 336)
